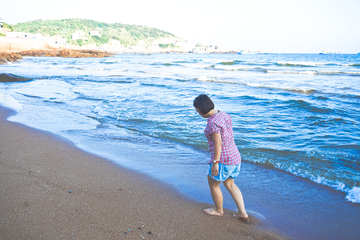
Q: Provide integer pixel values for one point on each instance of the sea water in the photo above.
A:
(295, 120)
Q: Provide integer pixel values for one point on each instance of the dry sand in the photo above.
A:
(39, 169)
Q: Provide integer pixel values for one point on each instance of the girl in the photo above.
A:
(225, 161)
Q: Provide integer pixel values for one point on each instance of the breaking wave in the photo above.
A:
(304, 64)
(231, 68)
(313, 72)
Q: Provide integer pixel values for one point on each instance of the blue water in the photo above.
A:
(295, 119)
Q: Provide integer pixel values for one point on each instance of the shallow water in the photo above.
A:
(295, 123)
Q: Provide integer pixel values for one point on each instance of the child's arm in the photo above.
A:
(216, 137)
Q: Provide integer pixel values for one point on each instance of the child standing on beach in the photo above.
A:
(225, 161)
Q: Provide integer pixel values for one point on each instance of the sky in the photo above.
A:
(268, 26)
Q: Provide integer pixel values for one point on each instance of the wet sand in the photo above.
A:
(50, 189)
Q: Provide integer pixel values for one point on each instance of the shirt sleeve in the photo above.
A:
(213, 128)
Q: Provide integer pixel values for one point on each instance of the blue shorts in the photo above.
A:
(225, 172)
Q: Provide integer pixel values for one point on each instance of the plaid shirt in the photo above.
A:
(221, 123)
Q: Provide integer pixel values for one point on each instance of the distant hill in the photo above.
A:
(128, 35)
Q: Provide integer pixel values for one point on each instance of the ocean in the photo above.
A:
(295, 120)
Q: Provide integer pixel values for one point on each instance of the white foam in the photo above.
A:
(234, 68)
(256, 214)
(340, 186)
(195, 65)
(318, 179)
(92, 69)
(216, 80)
(307, 72)
(291, 72)
(303, 89)
(101, 111)
(353, 195)
(159, 73)
(338, 72)
(10, 102)
(329, 72)
(351, 65)
(352, 73)
(204, 79)
(250, 84)
(301, 63)
(312, 72)
(44, 117)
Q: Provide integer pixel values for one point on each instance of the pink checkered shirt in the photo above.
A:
(221, 123)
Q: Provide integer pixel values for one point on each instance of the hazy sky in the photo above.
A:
(306, 26)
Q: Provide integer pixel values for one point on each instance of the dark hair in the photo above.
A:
(204, 103)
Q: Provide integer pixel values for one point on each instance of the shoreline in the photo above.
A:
(52, 189)
(14, 56)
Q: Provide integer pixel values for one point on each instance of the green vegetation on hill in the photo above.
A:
(5, 25)
(128, 35)
(166, 45)
(200, 45)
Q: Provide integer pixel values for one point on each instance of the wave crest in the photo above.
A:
(314, 72)
(303, 64)
(353, 195)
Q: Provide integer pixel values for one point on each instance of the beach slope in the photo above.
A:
(50, 189)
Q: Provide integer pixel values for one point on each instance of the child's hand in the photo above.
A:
(215, 169)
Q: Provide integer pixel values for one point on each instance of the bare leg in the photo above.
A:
(217, 197)
(237, 196)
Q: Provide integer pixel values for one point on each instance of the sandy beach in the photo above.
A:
(53, 190)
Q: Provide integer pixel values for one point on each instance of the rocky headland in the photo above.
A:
(69, 53)
(72, 53)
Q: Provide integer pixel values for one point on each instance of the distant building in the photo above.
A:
(75, 36)
(114, 43)
(18, 34)
(199, 50)
(78, 35)
(37, 36)
(206, 49)
(94, 33)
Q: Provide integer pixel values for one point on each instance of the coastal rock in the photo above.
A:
(39, 53)
(83, 53)
(71, 53)
(12, 78)
(9, 57)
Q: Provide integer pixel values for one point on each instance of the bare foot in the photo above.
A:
(212, 211)
(242, 218)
